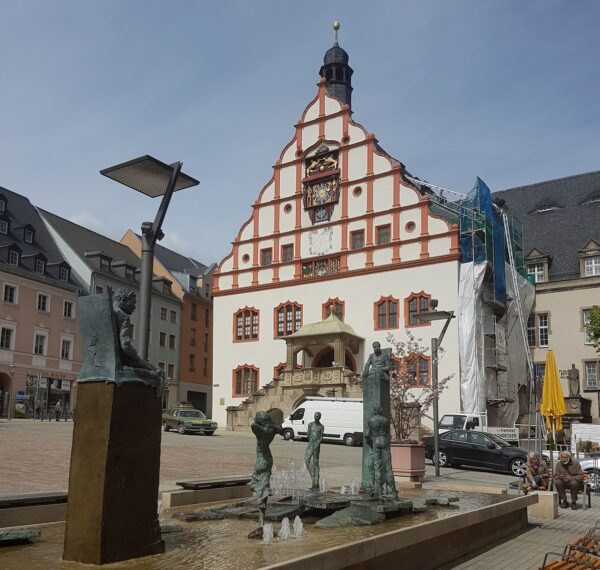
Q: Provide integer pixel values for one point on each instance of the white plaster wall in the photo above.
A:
(247, 230)
(334, 129)
(380, 164)
(440, 246)
(265, 276)
(356, 261)
(287, 221)
(382, 256)
(357, 205)
(408, 196)
(410, 251)
(359, 294)
(312, 112)
(268, 193)
(356, 134)
(383, 193)
(310, 135)
(290, 152)
(332, 105)
(227, 264)
(437, 226)
(357, 163)
(265, 220)
(407, 216)
(245, 279)
(244, 249)
(287, 181)
(286, 272)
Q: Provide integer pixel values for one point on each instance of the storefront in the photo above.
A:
(46, 388)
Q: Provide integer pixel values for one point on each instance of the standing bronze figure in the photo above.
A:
(264, 430)
(378, 436)
(313, 449)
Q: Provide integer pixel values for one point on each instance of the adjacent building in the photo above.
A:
(562, 255)
(192, 285)
(100, 262)
(39, 337)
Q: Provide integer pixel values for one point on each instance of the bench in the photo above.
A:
(587, 491)
(582, 552)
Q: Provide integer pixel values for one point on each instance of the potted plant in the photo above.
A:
(411, 397)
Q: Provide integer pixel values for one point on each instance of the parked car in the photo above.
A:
(186, 420)
(591, 465)
(477, 449)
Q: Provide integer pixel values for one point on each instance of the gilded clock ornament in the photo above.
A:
(321, 184)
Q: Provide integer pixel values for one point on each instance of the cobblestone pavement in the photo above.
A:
(34, 457)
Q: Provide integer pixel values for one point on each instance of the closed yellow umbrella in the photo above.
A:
(553, 401)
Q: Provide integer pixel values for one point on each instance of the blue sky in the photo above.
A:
(505, 89)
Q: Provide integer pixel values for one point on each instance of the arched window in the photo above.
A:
(288, 318)
(337, 306)
(414, 305)
(245, 324)
(279, 370)
(386, 313)
(245, 380)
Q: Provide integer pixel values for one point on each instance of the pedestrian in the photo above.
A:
(568, 475)
(536, 473)
(58, 410)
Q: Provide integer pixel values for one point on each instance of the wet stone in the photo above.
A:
(443, 501)
(431, 500)
(19, 536)
(451, 498)
(354, 515)
(418, 507)
(170, 526)
(205, 515)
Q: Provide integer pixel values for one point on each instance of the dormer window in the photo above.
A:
(40, 266)
(591, 266)
(14, 257)
(63, 274)
(129, 273)
(4, 226)
(538, 271)
(2, 204)
(104, 263)
(28, 236)
(166, 288)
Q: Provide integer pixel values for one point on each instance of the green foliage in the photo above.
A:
(593, 326)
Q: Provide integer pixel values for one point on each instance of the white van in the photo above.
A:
(342, 418)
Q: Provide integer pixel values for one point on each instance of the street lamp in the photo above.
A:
(12, 369)
(153, 178)
(435, 345)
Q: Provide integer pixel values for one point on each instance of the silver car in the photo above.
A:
(591, 465)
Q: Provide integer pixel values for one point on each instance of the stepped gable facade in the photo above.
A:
(338, 228)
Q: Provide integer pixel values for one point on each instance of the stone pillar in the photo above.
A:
(114, 476)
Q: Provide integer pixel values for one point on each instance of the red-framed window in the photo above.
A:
(386, 313)
(288, 318)
(245, 324)
(336, 305)
(245, 380)
(278, 370)
(414, 305)
(357, 239)
(383, 234)
(287, 252)
(417, 367)
(266, 256)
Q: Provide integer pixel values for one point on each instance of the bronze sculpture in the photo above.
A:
(313, 449)
(377, 434)
(264, 431)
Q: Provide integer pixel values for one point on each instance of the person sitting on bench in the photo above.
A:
(568, 475)
(536, 473)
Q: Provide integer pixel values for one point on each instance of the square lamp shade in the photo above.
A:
(148, 175)
(435, 316)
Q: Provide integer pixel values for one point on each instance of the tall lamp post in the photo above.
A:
(12, 369)
(153, 178)
(435, 315)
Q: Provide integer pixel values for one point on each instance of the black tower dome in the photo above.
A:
(337, 72)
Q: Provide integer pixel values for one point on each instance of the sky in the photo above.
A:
(508, 90)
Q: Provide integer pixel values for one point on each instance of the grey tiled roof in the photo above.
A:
(82, 240)
(571, 220)
(21, 215)
(174, 261)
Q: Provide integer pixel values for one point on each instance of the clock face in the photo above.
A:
(321, 193)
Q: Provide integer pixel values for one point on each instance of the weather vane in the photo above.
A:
(336, 27)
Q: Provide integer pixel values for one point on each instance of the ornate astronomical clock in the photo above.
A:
(320, 189)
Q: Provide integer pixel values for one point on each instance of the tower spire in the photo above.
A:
(336, 71)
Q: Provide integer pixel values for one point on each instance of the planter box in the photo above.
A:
(408, 460)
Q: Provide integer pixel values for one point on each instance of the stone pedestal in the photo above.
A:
(579, 410)
(114, 475)
(375, 393)
(546, 507)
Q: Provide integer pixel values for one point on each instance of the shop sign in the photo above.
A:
(65, 385)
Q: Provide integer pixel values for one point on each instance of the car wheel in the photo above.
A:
(443, 458)
(593, 479)
(518, 466)
(288, 434)
(349, 440)
(209, 432)
(181, 429)
(166, 426)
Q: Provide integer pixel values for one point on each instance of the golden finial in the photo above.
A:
(336, 27)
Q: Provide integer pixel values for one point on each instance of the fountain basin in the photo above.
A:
(439, 532)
